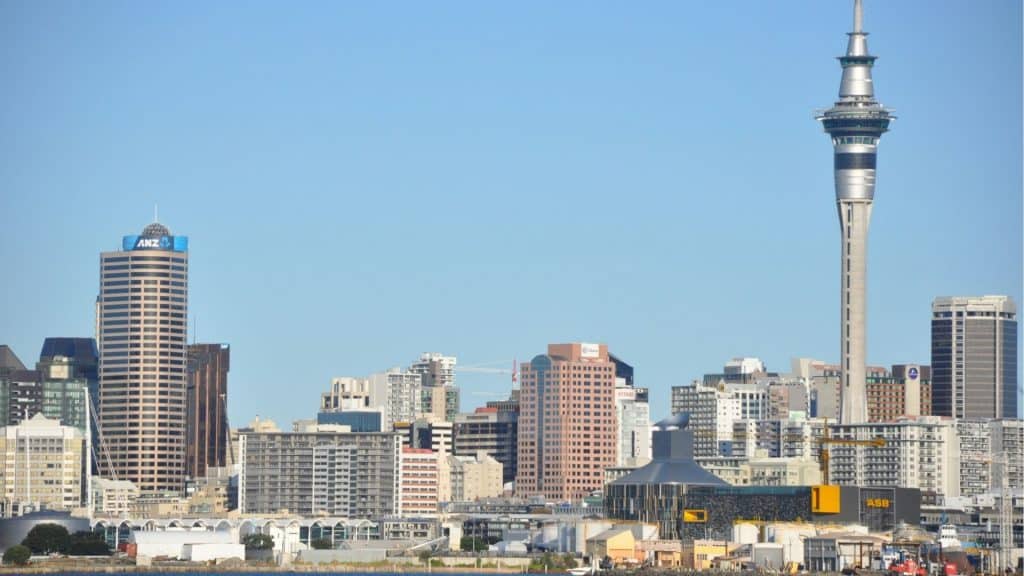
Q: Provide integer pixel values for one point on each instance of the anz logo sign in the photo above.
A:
(161, 243)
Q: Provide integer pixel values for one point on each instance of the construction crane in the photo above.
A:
(823, 458)
(1001, 463)
(483, 369)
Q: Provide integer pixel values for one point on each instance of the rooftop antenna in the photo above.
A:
(156, 211)
(858, 16)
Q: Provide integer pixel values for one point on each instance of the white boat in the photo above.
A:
(581, 571)
(948, 540)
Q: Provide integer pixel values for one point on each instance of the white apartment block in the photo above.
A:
(921, 452)
(975, 456)
(1008, 439)
(714, 409)
(777, 438)
(42, 466)
(346, 394)
(398, 394)
(633, 427)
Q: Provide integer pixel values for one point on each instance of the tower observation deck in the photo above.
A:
(855, 123)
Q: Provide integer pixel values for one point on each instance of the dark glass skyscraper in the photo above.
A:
(207, 436)
(974, 357)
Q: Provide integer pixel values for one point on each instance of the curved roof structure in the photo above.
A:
(672, 472)
(155, 230)
(677, 421)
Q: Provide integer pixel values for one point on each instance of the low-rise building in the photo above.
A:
(474, 478)
(113, 497)
(324, 470)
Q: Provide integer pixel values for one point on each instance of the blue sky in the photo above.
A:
(362, 182)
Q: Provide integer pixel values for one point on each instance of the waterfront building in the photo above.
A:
(323, 470)
(142, 327)
(688, 502)
(113, 498)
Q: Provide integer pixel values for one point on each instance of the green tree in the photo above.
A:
(88, 544)
(47, 539)
(472, 544)
(424, 556)
(321, 544)
(258, 542)
(17, 555)
(568, 561)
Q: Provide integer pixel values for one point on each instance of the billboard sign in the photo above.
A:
(173, 243)
(588, 350)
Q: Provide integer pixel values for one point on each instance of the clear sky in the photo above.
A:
(365, 181)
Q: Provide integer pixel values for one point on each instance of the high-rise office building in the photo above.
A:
(141, 324)
(206, 401)
(21, 396)
(974, 357)
(566, 422)
(856, 123)
(54, 389)
(492, 432)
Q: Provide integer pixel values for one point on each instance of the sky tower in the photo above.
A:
(855, 122)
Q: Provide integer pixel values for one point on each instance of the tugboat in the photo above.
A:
(949, 552)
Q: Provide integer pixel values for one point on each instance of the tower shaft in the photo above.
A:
(854, 220)
(855, 122)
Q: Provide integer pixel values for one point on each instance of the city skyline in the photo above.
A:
(672, 294)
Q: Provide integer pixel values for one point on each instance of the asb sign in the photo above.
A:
(175, 243)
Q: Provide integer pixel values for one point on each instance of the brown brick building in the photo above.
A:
(566, 422)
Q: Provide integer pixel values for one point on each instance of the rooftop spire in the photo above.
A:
(858, 16)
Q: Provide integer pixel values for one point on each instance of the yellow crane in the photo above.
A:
(876, 442)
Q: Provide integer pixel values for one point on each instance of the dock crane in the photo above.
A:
(826, 439)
